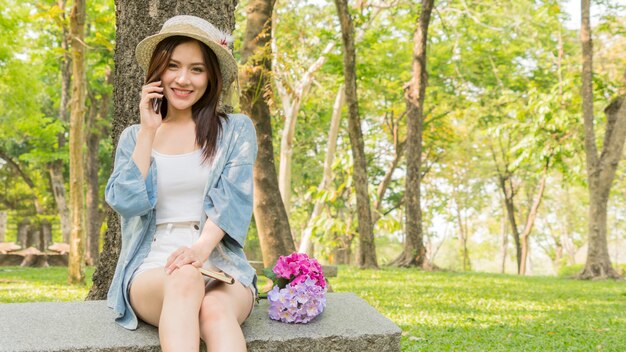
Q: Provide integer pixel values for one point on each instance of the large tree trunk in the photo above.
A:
(269, 212)
(76, 269)
(55, 167)
(414, 253)
(367, 247)
(600, 169)
(95, 130)
(146, 18)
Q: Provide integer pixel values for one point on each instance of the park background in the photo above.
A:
(502, 126)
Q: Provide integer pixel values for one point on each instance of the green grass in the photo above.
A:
(439, 311)
(40, 285)
(490, 312)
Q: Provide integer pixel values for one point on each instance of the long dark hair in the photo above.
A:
(204, 112)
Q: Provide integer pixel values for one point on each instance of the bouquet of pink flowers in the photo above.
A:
(299, 292)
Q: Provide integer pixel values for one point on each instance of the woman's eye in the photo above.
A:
(198, 69)
(171, 65)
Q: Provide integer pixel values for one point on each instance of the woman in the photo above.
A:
(182, 184)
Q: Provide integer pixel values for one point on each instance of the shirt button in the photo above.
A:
(196, 227)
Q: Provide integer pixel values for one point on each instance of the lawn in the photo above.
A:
(440, 311)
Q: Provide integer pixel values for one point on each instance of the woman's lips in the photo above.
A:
(181, 92)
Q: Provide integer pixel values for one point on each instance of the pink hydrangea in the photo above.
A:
(297, 266)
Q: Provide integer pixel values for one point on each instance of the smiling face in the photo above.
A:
(185, 78)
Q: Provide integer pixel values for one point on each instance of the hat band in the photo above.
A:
(186, 30)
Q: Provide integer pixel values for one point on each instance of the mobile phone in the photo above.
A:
(156, 105)
(221, 276)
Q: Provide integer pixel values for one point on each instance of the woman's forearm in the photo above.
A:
(210, 237)
(143, 150)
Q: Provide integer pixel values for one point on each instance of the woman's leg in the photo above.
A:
(170, 302)
(224, 308)
(178, 326)
(146, 295)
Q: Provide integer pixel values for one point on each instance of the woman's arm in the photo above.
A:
(150, 122)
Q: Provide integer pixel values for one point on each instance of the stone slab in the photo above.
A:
(348, 324)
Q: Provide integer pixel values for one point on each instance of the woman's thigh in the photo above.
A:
(146, 295)
(235, 299)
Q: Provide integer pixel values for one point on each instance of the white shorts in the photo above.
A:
(168, 238)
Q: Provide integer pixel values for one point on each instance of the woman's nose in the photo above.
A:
(183, 77)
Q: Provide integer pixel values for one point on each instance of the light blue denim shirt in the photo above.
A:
(227, 202)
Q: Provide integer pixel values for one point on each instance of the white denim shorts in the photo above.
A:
(168, 238)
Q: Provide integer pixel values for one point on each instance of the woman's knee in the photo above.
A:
(184, 280)
(214, 310)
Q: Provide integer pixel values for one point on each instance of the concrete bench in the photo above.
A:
(347, 324)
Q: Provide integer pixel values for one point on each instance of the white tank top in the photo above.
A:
(181, 179)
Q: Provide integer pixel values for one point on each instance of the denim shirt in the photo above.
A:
(227, 202)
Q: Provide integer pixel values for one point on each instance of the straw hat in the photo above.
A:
(197, 28)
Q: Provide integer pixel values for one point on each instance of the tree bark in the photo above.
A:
(95, 130)
(414, 253)
(269, 211)
(600, 169)
(76, 266)
(135, 20)
(367, 248)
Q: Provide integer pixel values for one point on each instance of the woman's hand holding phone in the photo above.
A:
(151, 119)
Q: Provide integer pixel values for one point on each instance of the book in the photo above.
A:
(221, 276)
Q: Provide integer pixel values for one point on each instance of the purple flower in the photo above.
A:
(304, 296)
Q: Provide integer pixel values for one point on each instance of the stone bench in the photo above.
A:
(347, 324)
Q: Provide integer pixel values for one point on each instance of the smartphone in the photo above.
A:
(156, 105)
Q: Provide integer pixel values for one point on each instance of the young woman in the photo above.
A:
(182, 184)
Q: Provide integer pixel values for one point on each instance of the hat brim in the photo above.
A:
(227, 63)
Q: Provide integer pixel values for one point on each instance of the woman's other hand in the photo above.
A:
(183, 256)
(150, 120)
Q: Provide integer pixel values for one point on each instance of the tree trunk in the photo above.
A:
(292, 99)
(504, 243)
(331, 147)
(509, 194)
(144, 17)
(76, 266)
(55, 167)
(367, 248)
(600, 169)
(530, 221)
(269, 212)
(414, 253)
(95, 131)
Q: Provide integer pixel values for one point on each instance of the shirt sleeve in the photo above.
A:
(127, 192)
(229, 204)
